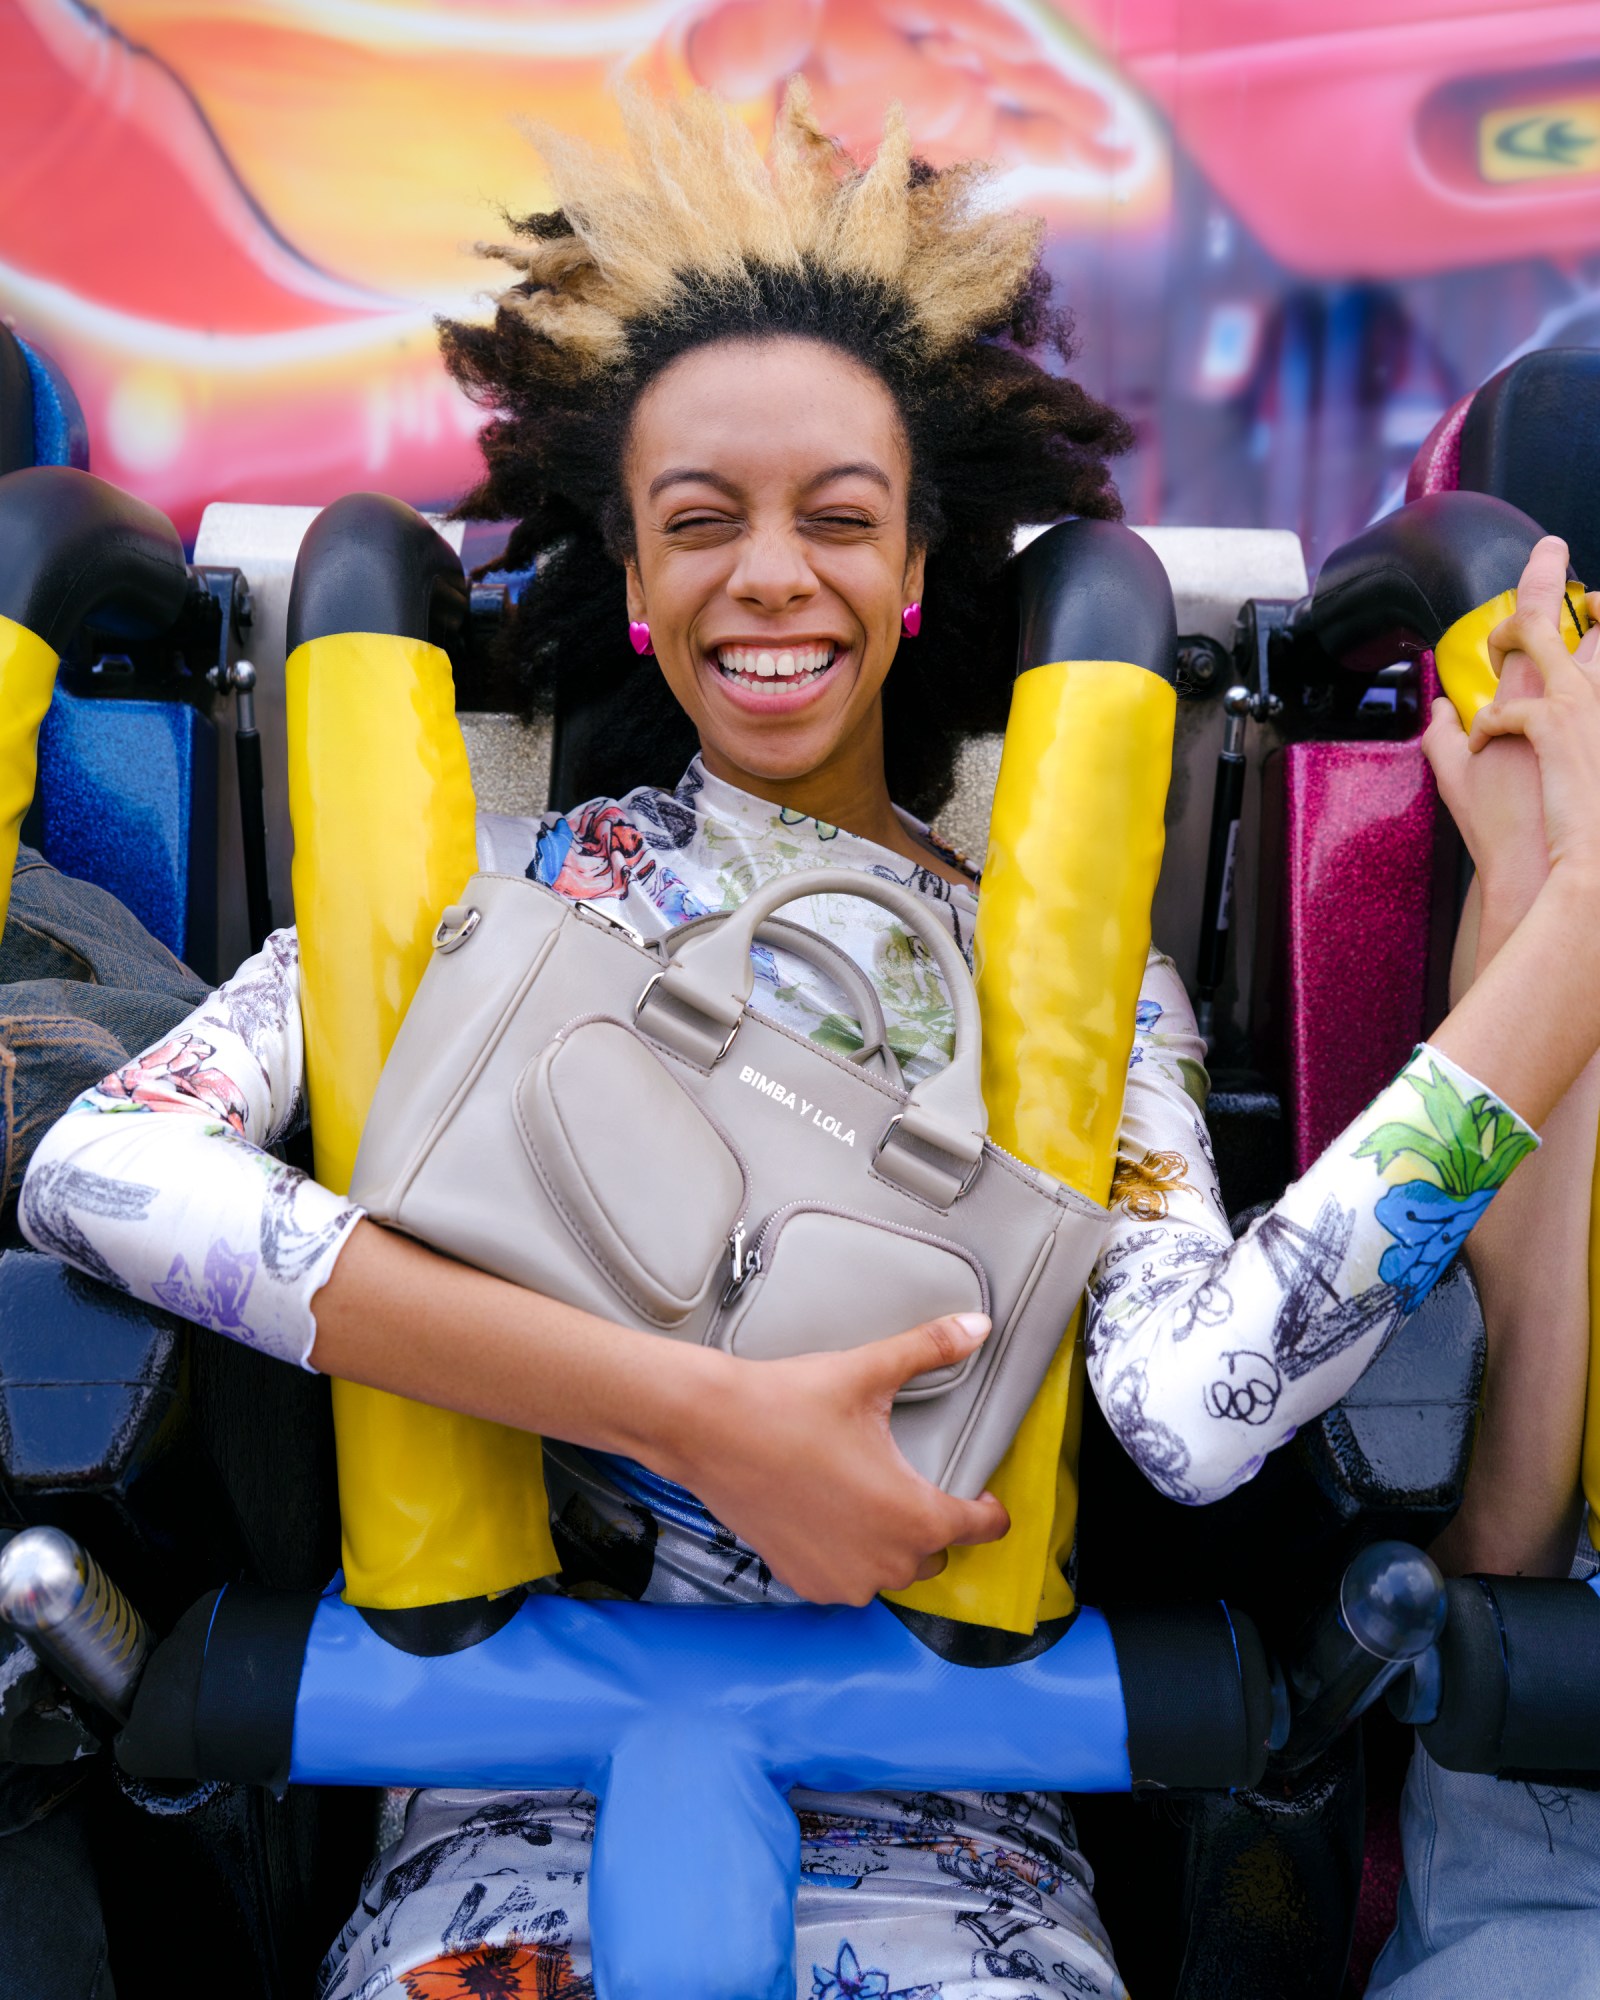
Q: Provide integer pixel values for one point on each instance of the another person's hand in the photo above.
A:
(795, 1456)
(1495, 798)
(1561, 721)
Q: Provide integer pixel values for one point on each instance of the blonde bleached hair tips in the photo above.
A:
(691, 198)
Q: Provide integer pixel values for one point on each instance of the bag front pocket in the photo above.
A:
(640, 1175)
(821, 1280)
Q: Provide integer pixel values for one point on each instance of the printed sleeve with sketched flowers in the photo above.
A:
(1206, 1353)
(186, 1209)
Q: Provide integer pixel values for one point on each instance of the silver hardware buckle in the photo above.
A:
(451, 937)
(888, 1134)
(650, 986)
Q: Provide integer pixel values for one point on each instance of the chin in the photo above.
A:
(765, 754)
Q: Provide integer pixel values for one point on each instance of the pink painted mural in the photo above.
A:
(1293, 231)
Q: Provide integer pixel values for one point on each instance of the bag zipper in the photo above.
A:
(743, 1264)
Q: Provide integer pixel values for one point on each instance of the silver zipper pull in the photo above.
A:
(742, 1267)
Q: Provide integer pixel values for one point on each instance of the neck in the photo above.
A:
(849, 790)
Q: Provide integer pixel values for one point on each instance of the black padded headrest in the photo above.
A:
(77, 551)
(371, 564)
(1532, 436)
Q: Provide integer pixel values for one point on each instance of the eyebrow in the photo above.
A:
(689, 475)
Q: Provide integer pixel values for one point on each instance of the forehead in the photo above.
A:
(774, 408)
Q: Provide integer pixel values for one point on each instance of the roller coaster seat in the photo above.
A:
(132, 727)
(1343, 1464)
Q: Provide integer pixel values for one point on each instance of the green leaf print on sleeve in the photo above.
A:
(1472, 1146)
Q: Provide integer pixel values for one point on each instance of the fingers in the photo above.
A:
(988, 1521)
(1509, 718)
(1541, 593)
(931, 1566)
(1588, 647)
(1543, 583)
(940, 1343)
(1535, 639)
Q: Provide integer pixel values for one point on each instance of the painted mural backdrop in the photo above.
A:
(1293, 230)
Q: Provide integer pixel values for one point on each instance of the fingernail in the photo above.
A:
(973, 1325)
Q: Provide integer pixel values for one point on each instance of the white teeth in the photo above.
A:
(754, 663)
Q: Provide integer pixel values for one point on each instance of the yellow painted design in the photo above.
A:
(1462, 655)
(435, 1506)
(1531, 142)
(27, 680)
(1063, 935)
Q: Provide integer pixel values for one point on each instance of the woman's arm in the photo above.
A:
(1206, 1355)
(795, 1456)
(1530, 1254)
(158, 1182)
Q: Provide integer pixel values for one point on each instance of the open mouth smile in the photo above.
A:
(774, 679)
(775, 668)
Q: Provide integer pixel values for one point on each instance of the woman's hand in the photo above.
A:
(1561, 721)
(1495, 800)
(796, 1458)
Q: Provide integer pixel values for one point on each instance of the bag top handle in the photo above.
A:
(712, 976)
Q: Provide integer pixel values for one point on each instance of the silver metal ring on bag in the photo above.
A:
(456, 926)
(652, 983)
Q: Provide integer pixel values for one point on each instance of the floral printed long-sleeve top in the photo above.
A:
(1205, 1353)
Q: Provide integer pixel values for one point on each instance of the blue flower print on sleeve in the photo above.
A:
(1466, 1146)
(1428, 1226)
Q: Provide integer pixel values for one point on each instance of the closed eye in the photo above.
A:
(859, 522)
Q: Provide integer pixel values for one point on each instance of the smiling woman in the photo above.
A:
(775, 579)
(754, 412)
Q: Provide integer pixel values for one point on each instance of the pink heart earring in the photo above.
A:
(639, 634)
(911, 619)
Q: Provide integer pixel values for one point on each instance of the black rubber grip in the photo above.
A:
(1395, 590)
(1092, 590)
(1519, 1678)
(77, 551)
(1198, 1694)
(217, 1699)
(372, 564)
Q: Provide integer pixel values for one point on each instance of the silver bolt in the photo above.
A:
(57, 1597)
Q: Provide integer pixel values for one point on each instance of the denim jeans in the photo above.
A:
(83, 986)
(1502, 1887)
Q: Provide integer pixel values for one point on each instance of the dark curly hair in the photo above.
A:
(996, 441)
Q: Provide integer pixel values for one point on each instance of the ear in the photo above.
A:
(916, 563)
(630, 570)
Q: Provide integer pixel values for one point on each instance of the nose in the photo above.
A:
(773, 572)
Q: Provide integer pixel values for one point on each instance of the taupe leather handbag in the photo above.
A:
(610, 1123)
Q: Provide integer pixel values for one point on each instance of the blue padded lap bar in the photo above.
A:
(706, 1717)
(703, 1716)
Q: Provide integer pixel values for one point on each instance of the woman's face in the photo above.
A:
(768, 483)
